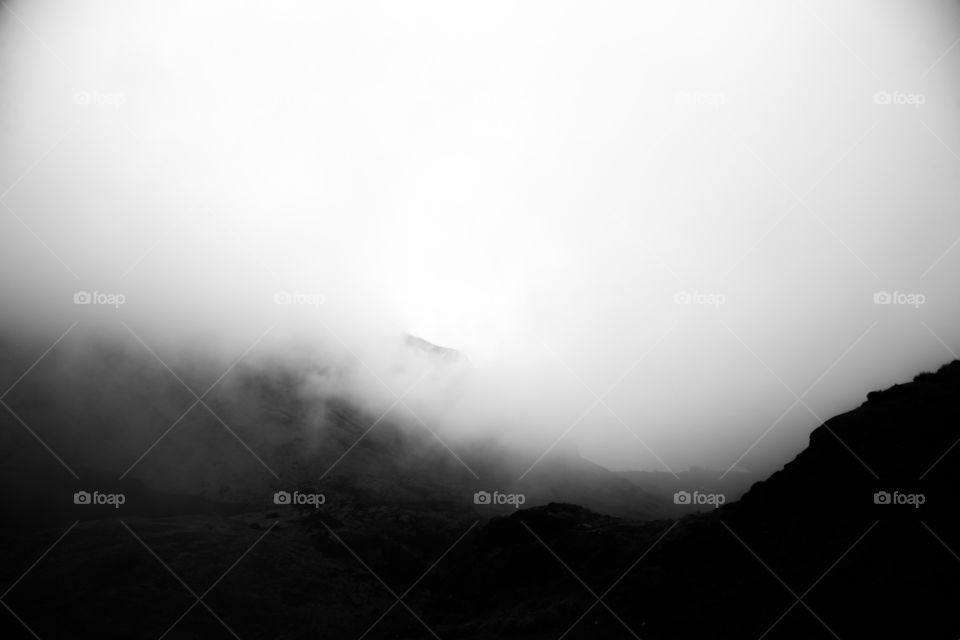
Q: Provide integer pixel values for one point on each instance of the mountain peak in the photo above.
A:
(433, 350)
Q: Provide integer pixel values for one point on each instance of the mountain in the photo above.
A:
(815, 551)
(268, 426)
(860, 526)
(420, 345)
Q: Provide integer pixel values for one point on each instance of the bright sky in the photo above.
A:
(541, 185)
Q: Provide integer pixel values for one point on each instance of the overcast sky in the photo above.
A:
(688, 207)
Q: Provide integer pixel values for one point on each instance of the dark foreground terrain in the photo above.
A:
(807, 553)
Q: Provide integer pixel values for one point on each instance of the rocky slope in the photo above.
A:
(808, 553)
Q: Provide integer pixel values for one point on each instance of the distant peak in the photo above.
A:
(431, 349)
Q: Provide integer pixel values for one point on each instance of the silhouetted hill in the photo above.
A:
(812, 529)
(805, 554)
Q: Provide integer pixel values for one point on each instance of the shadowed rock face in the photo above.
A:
(813, 530)
(840, 525)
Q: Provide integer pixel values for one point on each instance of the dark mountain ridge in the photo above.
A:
(819, 529)
(815, 551)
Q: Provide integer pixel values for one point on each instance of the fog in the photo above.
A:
(649, 228)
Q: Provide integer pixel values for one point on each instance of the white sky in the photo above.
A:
(531, 183)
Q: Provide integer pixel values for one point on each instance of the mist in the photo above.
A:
(649, 229)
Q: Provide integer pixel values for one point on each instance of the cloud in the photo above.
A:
(532, 185)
